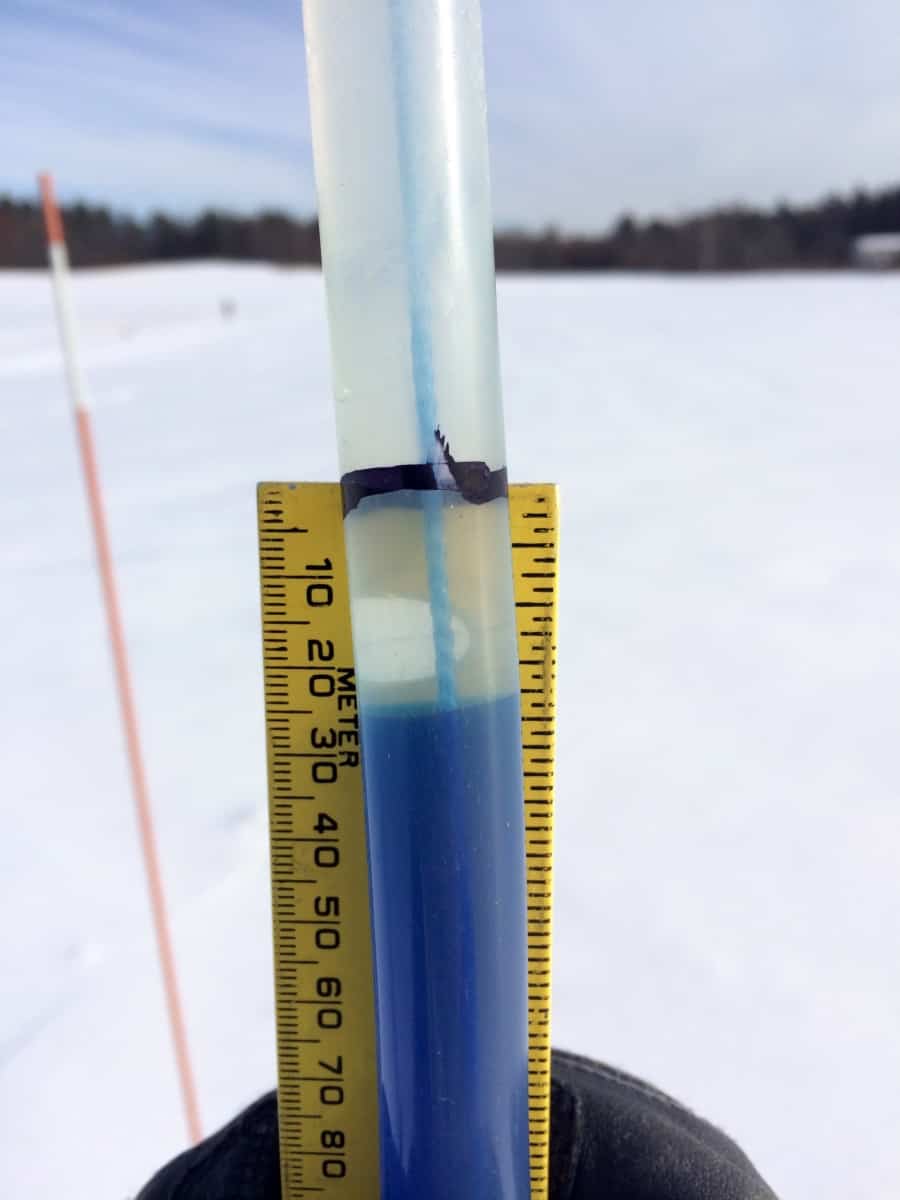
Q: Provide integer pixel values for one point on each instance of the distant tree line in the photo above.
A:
(97, 237)
(734, 238)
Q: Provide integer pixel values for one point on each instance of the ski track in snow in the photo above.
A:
(728, 906)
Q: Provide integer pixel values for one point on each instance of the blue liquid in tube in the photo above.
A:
(444, 812)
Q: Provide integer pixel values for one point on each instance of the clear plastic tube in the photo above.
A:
(400, 142)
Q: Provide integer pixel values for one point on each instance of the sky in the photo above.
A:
(597, 107)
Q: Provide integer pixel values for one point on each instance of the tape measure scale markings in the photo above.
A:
(533, 521)
(325, 1022)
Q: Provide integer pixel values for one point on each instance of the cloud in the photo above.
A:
(602, 105)
(596, 106)
(152, 111)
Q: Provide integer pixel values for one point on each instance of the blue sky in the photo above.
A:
(596, 106)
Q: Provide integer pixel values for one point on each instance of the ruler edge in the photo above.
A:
(284, 1119)
(540, 996)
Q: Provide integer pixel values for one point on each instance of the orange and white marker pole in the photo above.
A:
(59, 266)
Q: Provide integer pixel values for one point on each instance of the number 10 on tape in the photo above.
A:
(324, 1001)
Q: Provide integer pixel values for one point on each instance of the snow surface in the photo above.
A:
(728, 905)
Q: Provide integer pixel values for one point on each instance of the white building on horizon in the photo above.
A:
(877, 251)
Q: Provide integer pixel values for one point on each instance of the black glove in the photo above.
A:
(612, 1138)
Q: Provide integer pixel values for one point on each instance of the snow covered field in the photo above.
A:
(728, 914)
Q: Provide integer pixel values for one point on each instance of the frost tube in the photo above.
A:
(400, 143)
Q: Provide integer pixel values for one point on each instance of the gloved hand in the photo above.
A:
(612, 1138)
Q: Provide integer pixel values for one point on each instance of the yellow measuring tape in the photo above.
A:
(325, 1011)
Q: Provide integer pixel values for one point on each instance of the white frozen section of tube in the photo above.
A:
(393, 602)
(400, 142)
